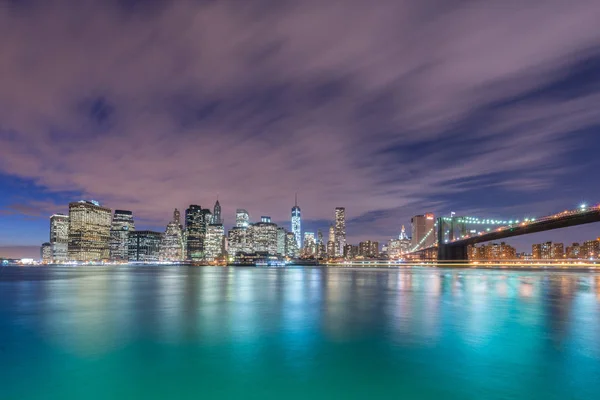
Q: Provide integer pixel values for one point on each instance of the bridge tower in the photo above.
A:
(448, 251)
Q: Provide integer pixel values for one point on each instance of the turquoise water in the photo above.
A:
(299, 333)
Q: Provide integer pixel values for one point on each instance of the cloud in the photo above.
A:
(154, 105)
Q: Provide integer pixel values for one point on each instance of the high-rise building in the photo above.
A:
(310, 245)
(321, 250)
(557, 251)
(291, 245)
(423, 232)
(404, 241)
(89, 231)
(265, 218)
(536, 251)
(216, 217)
(331, 242)
(350, 251)
(195, 228)
(264, 237)
(239, 240)
(122, 224)
(144, 246)
(281, 234)
(368, 249)
(46, 253)
(242, 218)
(171, 245)
(492, 251)
(297, 223)
(340, 230)
(214, 241)
(59, 237)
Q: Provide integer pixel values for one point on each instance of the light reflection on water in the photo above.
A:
(480, 334)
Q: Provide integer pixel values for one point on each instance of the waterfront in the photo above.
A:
(269, 333)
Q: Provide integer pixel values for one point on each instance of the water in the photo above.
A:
(300, 333)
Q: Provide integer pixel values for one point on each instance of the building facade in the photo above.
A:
(144, 246)
(242, 218)
(171, 246)
(423, 232)
(122, 224)
(214, 241)
(59, 237)
(46, 253)
(89, 231)
(264, 237)
(340, 231)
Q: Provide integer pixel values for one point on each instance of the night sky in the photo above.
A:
(389, 108)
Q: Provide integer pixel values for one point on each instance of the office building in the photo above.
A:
(291, 245)
(46, 253)
(350, 251)
(171, 245)
(310, 245)
(197, 220)
(340, 230)
(214, 241)
(423, 232)
(264, 237)
(331, 242)
(242, 218)
(281, 234)
(239, 240)
(297, 223)
(59, 237)
(122, 224)
(89, 231)
(368, 249)
(144, 246)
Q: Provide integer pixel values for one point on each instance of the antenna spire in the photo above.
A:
(296, 200)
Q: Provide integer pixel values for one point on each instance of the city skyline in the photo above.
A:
(403, 118)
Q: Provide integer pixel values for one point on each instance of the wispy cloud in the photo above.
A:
(374, 107)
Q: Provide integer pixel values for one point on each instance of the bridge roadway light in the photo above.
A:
(583, 206)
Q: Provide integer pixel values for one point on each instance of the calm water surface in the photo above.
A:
(300, 333)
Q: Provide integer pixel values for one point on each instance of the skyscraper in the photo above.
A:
(242, 218)
(297, 223)
(46, 253)
(216, 217)
(89, 231)
(320, 245)
(194, 223)
(340, 230)
(291, 246)
(122, 224)
(264, 237)
(144, 246)
(281, 241)
(423, 232)
(171, 245)
(214, 241)
(404, 241)
(59, 237)
(310, 245)
(331, 242)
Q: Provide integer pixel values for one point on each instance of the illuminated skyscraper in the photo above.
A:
(171, 245)
(264, 237)
(340, 230)
(46, 253)
(321, 250)
(195, 227)
(122, 224)
(281, 241)
(291, 246)
(59, 237)
(214, 241)
(310, 245)
(297, 223)
(144, 246)
(89, 231)
(216, 217)
(331, 242)
(242, 218)
(239, 241)
(423, 232)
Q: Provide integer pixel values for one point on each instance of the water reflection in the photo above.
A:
(249, 318)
